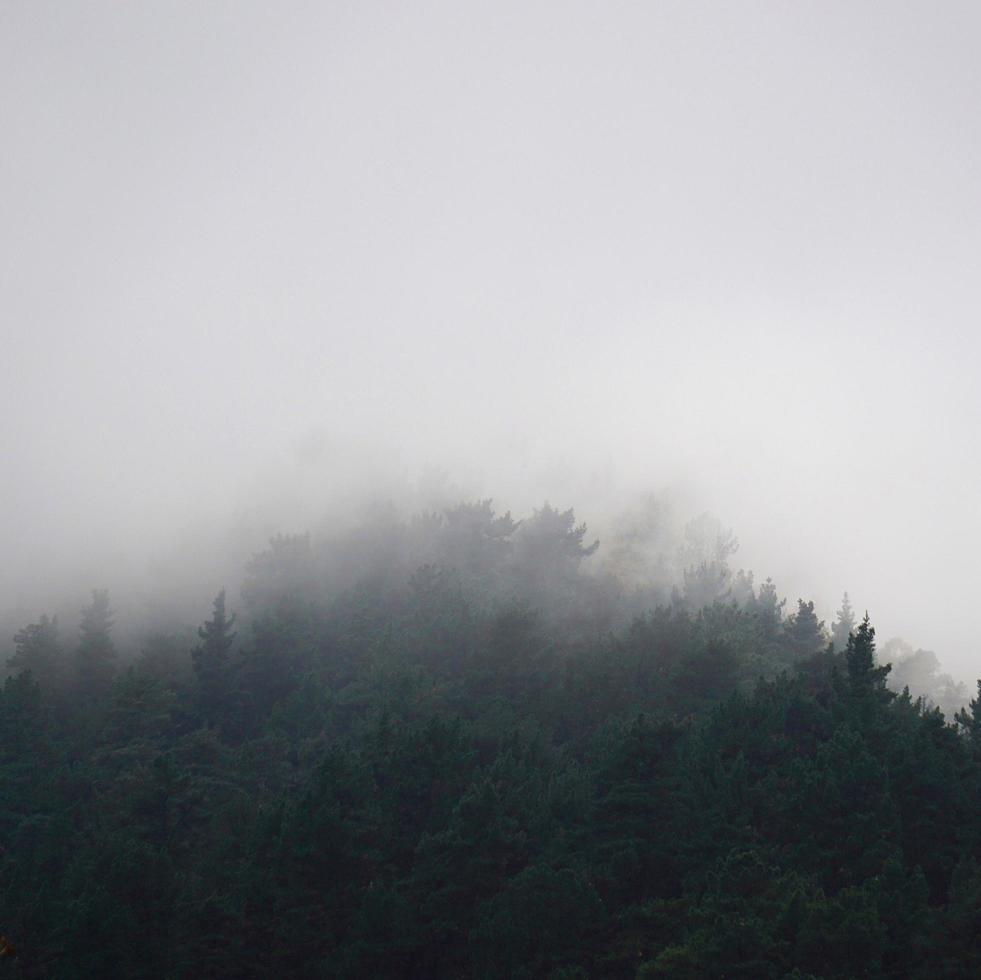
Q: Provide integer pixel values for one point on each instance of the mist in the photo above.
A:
(260, 267)
(490, 490)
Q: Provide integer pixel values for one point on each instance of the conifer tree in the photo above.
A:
(704, 559)
(844, 624)
(37, 649)
(95, 658)
(210, 657)
(768, 608)
(969, 720)
(548, 550)
(805, 631)
(863, 674)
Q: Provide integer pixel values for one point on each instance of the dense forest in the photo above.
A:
(445, 747)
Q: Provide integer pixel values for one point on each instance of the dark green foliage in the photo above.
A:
(969, 719)
(540, 922)
(20, 712)
(865, 678)
(210, 658)
(165, 657)
(804, 632)
(447, 764)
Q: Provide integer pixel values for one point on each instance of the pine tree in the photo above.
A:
(95, 658)
(844, 625)
(548, 550)
(863, 675)
(804, 630)
(211, 656)
(769, 608)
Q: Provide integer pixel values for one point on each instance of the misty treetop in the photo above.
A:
(287, 289)
(470, 745)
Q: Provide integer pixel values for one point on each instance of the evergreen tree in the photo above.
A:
(804, 630)
(473, 539)
(20, 717)
(741, 591)
(706, 583)
(95, 658)
(548, 550)
(769, 608)
(38, 650)
(844, 625)
(969, 720)
(421, 786)
(863, 675)
(704, 560)
(210, 657)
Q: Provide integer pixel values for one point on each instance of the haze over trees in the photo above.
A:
(316, 320)
(95, 657)
(446, 747)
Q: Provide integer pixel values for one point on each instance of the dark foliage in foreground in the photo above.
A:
(467, 768)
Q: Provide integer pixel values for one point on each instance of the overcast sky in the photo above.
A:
(569, 248)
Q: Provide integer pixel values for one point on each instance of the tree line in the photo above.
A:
(442, 748)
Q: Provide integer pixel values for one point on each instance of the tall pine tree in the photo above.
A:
(95, 658)
(864, 676)
(210, 657)
(844, 625)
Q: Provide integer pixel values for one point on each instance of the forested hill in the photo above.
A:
(442, 749)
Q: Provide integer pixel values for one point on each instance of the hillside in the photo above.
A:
(441, 748)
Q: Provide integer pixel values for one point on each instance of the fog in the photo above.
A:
(263, 263)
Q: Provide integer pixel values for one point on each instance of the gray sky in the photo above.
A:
(578, 249)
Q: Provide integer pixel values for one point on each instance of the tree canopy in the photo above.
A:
(459, 757)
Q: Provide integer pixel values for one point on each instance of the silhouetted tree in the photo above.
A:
(38, 650)
(843, 625)
(95, 658)
(864, 675)
(969, 720)
(769, 608)
(548, 550)
(210, 657)
(804, 630)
